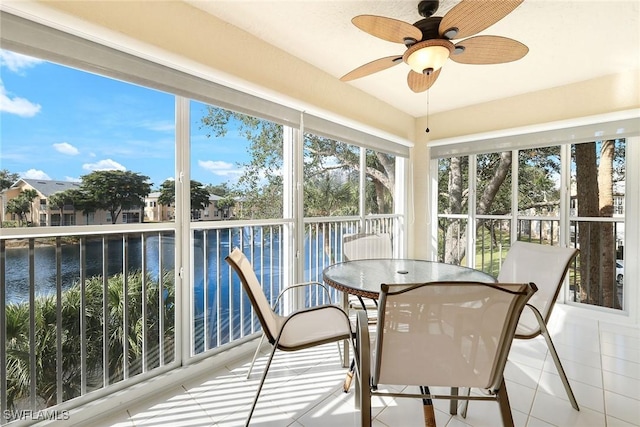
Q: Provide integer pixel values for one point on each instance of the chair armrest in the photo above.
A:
(303, 284)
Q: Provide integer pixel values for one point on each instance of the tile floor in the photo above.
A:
(602, 361)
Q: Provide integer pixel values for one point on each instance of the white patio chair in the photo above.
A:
(301, 329)
(274, 308)
(446, 334)
(364, 246)
(547, 267)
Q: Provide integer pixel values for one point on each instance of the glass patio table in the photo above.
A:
(363, 278)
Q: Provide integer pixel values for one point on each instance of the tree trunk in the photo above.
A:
(588, 232)
(455, 237)
(380, 202)
(607, 238)
(456, 234)
(492, 188)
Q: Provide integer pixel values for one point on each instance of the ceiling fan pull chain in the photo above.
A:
(427, 129)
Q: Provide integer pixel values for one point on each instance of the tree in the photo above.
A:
(115, 191)
(7, 179)
(594, 184)
(597, 166)
(607, 238)
(219, 189)
(74, 197)
(22, 204)
(199, 195)
(327, 196)
(226, 203)
(536, 189)
(260, 186)
(30, 194)
(160, 298)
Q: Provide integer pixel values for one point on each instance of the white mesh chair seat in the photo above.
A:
(448, 334)
(301, 329)
(364, 246)
(313, 326)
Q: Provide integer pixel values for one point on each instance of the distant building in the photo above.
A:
(43, 214)
(154, 211)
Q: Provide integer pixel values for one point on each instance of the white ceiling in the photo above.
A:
(568, 40)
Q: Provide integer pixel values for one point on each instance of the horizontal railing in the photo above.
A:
(82, 310)
(221, 313)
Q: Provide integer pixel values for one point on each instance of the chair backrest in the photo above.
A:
(449, 334)
(366, 246)
(251, 285)
(544, 265)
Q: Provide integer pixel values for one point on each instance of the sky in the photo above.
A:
(59, 123)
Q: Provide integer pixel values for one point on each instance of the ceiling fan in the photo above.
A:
(428, 41)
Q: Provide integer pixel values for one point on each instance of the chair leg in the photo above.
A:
(364, 400)
(505, 407)
(427, 408)
(363, 369)
(264, 376)
(255, 356)
(556, 359)
(453, 403)
(465, 404)
(563, 375)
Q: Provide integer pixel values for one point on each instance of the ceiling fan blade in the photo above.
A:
(488, 50)
(420, 82)
(389, 29)
(470, 17)
(372, 67)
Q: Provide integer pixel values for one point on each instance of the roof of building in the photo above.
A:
(48, 187)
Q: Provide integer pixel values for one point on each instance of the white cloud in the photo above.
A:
(72, 179)
(219, 168)
(66, 148)
(104, 165)
(16, 105)
(34, 174)
(16, 62)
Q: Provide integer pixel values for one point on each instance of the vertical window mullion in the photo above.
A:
(184, 313)
(32, 325)
(3, 332)
(105, 312)
(83, 315)
(125, 307)
(59, 378)
(471, 210)
(515, 171)
(361, 187)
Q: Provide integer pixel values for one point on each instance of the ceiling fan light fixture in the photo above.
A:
(428, 56)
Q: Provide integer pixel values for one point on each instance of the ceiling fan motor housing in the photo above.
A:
(427, 8)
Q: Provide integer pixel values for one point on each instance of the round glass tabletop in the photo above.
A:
(364, 277)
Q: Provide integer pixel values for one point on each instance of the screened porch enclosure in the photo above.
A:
(97, 302)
